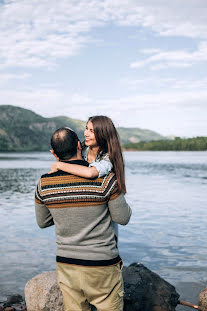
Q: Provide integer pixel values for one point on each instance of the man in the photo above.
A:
(88, 261)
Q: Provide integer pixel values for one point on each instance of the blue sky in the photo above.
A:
(143, 63)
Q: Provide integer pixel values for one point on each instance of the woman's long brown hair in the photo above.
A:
(108, 141)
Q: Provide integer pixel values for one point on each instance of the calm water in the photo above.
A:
(167, 232)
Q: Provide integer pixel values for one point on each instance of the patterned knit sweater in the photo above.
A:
(82, 211)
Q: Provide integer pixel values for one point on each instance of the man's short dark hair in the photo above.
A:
(64, 143)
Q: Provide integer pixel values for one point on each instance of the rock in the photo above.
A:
(12, 300)
(147, 291)
(20, 307)
(15, 299)
(43, 293)
(202, 300)
(14, 303)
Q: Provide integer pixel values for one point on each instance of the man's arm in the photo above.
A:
(43, 216)
(119, 209)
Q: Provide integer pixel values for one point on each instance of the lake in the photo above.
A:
(167, 232)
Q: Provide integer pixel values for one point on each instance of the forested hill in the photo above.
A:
(177, 144)
(23, 130)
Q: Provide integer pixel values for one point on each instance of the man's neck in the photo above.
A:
(73, 159)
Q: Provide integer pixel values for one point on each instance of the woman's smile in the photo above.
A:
(90, 139)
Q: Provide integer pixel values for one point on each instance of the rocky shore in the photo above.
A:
(144, 291)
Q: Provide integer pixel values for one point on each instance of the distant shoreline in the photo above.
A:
(177, 144)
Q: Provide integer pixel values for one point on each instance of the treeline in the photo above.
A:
(177, 144)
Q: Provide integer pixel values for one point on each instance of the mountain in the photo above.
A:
(24, 130)
(135, 135)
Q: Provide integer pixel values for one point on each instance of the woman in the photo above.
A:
(102, 150)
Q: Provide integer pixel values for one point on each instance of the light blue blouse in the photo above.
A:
(102, 164)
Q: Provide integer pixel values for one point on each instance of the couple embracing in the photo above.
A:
(83, 196)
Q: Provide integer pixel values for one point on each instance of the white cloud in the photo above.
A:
(178, 58)
(38, 100)
(161, 84)
(6, 77)
(38, 33)
(190, 84)
(166, 18)
(150, 51)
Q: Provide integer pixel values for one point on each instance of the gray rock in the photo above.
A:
(147, 291)
(12, 300)
(42, 293)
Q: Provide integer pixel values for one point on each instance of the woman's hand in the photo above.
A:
(54, 168)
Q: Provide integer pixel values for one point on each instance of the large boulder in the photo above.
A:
(144, 291)
(202, 300)
(42, 293)
(147, 291)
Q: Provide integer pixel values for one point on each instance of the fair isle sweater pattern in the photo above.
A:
(62, 190)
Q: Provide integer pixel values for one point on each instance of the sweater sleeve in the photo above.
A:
(119, 209)
(43, 216)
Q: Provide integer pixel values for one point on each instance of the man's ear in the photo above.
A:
(53, 153)
(79, 145)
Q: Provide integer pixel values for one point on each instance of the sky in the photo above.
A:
(141, 62)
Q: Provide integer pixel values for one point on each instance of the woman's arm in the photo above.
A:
(78, 170)
(103, 166)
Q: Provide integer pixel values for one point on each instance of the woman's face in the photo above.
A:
(90, 139)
